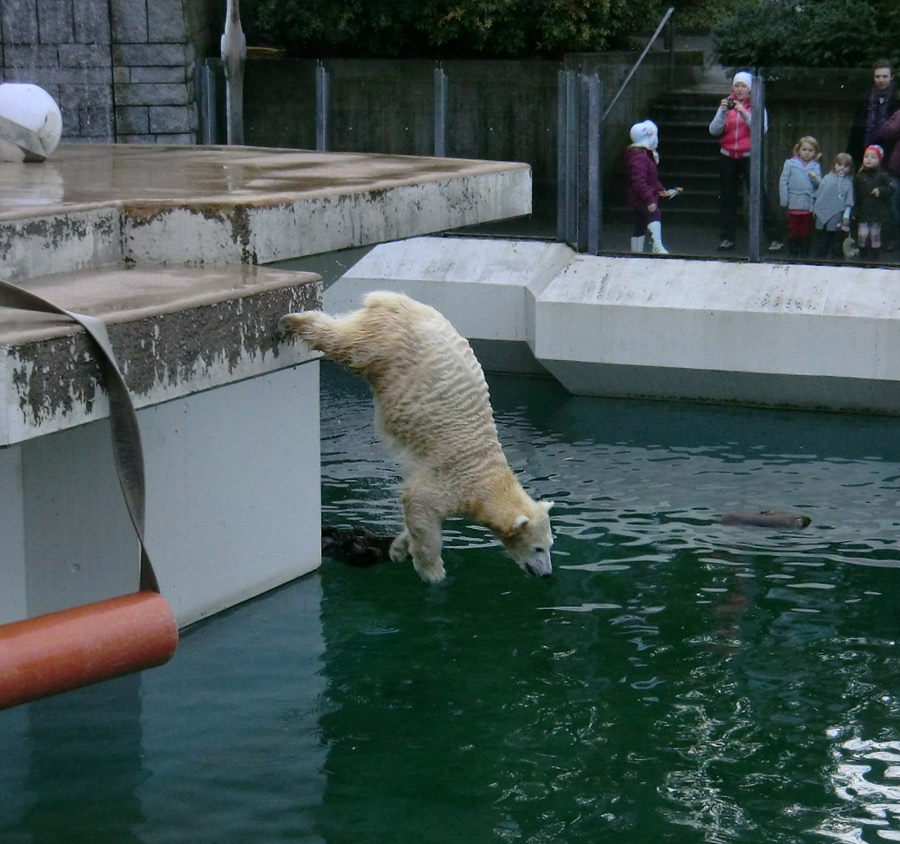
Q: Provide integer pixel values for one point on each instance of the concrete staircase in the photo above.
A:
(689, 154)
(688, 159)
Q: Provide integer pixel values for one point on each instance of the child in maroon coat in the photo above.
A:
(644, 187)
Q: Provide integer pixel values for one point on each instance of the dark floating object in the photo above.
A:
(356, 546)
(767, 518)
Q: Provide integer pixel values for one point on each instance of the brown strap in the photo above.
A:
(126, 436)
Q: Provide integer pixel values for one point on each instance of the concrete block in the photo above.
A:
(57, 242)
(57, 25)
(18, 23)
(486, 288)
(169, 94)
(146, 55)
(166, 21)
(769, 334)
(92, 56)
(86, 95)
(128, 19)
(176, 331)
(132, 120)
(158, 74)
(33, 55)
(13, 598)
(92, 24)
(136, 139)
(169, 119)
(178, 139)
(97, 124)
(235, 470)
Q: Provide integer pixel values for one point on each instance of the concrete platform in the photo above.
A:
(163, 243)
(94, 204)
(175, 330)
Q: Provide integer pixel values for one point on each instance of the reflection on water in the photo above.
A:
(676, 680)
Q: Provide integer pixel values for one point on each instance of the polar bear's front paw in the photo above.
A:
(431, 572)
(399, 550)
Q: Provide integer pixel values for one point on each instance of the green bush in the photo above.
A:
(447, 28)
(793, 33)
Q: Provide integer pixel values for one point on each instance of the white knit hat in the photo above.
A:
(645, 135)
(743, 76)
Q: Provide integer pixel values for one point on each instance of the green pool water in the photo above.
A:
(675, 680)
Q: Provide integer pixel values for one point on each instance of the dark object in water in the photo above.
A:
(767, 518)
(356, 546)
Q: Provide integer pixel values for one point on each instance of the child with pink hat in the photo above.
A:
(872, 189)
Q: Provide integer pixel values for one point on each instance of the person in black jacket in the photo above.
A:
(872, 112)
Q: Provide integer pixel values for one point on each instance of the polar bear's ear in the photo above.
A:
(519, 523)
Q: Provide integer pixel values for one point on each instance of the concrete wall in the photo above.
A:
(772, 335)
(67, 537)
(496, 110)
(120, 70)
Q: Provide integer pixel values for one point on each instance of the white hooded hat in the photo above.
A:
(745, 77)
(645, 135)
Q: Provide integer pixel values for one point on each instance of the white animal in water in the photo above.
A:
(433, 410)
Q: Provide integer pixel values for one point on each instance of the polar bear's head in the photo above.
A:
(530, 539)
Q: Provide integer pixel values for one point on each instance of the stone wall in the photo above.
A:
(120, 70)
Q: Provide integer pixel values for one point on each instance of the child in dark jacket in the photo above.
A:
(872, 190)
(644, 187)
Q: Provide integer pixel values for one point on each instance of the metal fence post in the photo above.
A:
(593, 173)
(323, 94)
(578, 172)
(588, 207)
(567, 157)
(207, 104)
(757, 159)
(440, 111)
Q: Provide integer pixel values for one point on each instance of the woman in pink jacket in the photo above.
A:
(732, 125)
(644, 187)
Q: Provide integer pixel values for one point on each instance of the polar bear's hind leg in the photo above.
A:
(421, 535)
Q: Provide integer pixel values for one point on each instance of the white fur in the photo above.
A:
(433, 411)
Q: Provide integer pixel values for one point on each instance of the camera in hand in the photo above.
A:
(730, 101)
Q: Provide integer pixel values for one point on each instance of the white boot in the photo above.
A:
(655, 229)
(637, 244)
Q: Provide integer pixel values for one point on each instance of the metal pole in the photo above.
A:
(233, 46)
(323, 93)
(572, 157)
(670, 35)
(592, 173)
(562, 158)
(440, 111)
(757, 145)
(207, 104)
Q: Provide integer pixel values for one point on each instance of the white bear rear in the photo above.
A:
(433, 410)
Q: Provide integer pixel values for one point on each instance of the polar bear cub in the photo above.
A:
(433, 411)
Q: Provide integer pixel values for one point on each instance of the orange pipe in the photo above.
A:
(72, 648)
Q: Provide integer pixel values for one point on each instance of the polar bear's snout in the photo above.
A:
(530, 540)
(539, 565)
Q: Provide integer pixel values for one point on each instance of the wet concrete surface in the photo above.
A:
(79, 175)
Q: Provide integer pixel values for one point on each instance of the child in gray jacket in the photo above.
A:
(833, 206)
(797, 191)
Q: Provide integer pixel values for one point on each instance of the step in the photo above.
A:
(175, 331)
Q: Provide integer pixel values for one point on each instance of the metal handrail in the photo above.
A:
(637, 64)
